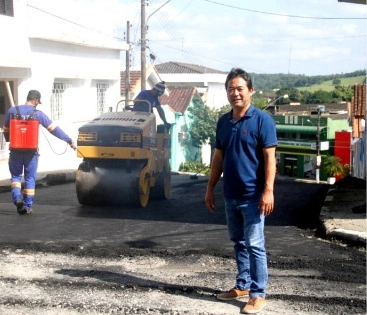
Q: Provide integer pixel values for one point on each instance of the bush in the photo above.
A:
(194, 167)
(331, 166)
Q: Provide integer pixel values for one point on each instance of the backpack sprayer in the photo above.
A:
(23, 132)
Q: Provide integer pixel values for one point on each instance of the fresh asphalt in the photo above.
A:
(55, 169)
(179, 224)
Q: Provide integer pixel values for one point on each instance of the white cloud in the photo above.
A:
(201, 20)
(237, 40)
(319, 53)
(350, 29)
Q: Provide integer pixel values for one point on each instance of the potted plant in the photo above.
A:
(331, 166)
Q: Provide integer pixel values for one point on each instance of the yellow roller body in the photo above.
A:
(125, 160)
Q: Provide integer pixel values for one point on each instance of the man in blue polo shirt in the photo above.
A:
(245, 154)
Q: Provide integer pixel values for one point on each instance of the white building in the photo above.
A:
(76, 69)
(209, 82)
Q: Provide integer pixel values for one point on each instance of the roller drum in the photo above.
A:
(109, 184)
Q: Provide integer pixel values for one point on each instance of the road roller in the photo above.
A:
(125, 158)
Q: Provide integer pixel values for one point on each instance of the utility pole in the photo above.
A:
(318, 157)
(143, 41)
(320, 109)
(127, 72)
(143, 46)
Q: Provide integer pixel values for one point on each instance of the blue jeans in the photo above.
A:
(246, 230)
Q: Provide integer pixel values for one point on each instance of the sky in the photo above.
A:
(309, 37)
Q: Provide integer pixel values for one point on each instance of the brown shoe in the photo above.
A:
(232, 294)
(254, 305)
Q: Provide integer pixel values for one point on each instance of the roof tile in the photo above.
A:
(179, 67)
(179, 98)
(135, 81)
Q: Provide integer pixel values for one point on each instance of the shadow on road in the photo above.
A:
(296, 204)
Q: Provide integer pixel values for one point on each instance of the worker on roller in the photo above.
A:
(24, 154)
(152, 96)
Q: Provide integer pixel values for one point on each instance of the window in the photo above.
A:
(56, 99)
(6, 7)
(101, 93)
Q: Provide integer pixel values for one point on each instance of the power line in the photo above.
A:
(174, 18)
(77, 24)
(206, 57)
(172, 31)
(286, 15)
(273, 39)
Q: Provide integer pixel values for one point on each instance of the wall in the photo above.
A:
(217, 96)
(181, 151)
(343, 142)
(359, 157)
(214, 82)
(45, 50)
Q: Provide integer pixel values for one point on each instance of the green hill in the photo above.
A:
(307, 83)
(329, 86)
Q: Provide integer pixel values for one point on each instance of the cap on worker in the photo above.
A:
(160, 87)
(34, 95)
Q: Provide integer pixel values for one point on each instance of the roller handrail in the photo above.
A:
(131, 107)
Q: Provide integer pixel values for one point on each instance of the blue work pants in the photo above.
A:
(23, 161)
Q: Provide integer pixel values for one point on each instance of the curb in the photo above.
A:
(59, 178)
(331, 230)
(48, 180)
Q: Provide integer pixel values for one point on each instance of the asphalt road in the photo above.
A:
(181, 223)
(309, 275)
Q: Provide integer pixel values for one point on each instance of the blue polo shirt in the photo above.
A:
(242, 143)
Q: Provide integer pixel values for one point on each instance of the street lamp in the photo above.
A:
(143, 41)
(273, 102)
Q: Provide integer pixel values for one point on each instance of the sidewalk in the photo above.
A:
(344, 212)
(337, 216)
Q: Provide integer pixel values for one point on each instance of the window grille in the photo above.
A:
(56, 99)
(6, 7)
(101, 95)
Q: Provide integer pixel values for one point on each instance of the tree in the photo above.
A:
(305, 96)
(204, 120)
(343, 93)
(320, 97)
(294, 95)
(224, 109)
(258, 100)
(279, 80)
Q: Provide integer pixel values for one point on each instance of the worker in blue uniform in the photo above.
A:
(26, 160)
(152, 96)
